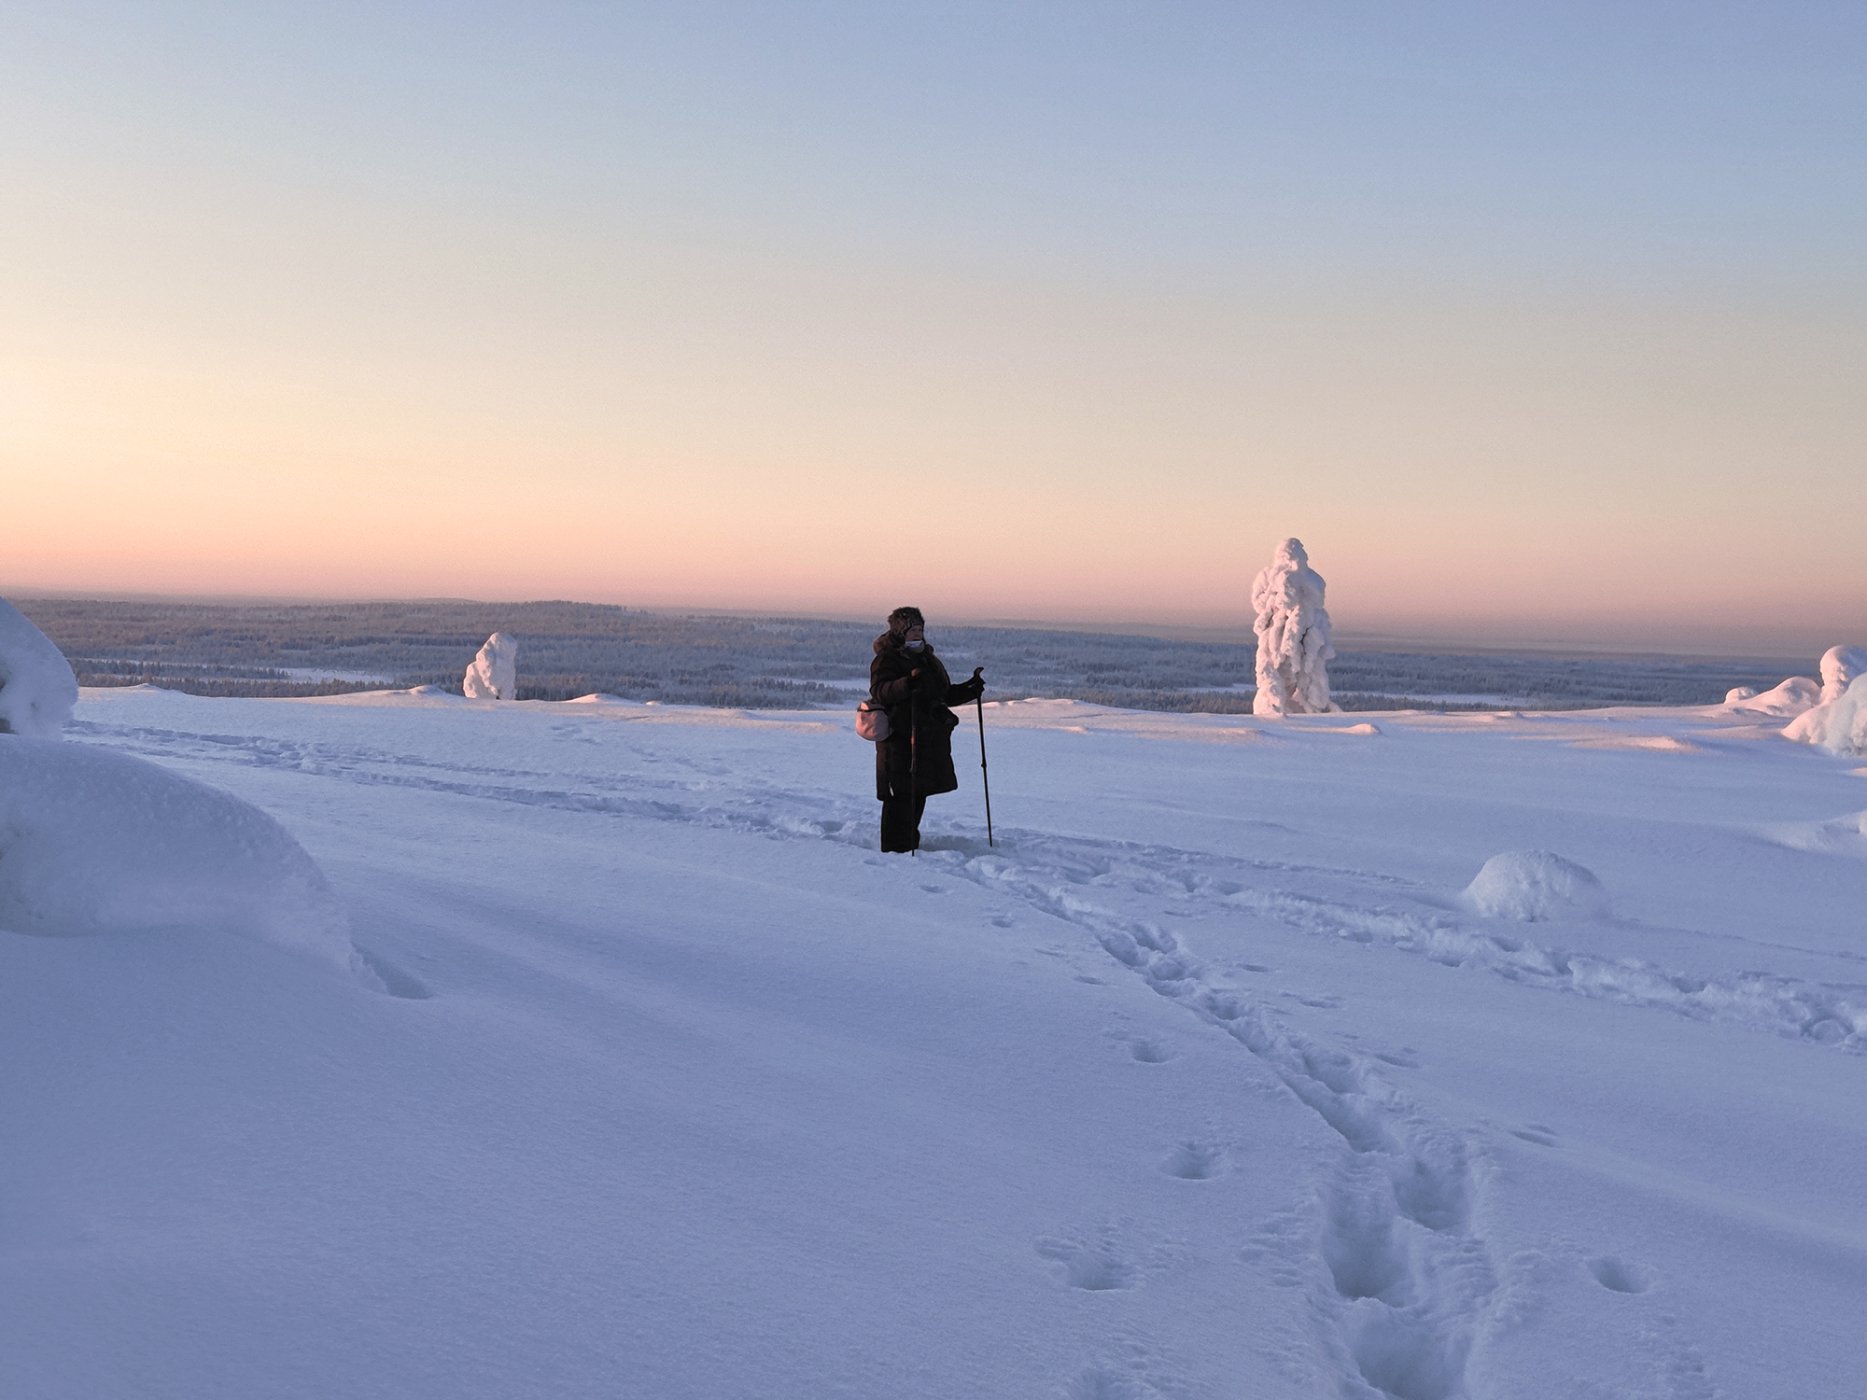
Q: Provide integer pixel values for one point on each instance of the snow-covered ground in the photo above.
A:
(654, 1079)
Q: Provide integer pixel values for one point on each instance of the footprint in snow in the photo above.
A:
(1195, 1160)
(1099, 1383)
(1282, 1245)
(1094, 1268)
(1149, 1052)
(1433, 1187)
(379, 974)
(1537, 1133)
(1618, 1275)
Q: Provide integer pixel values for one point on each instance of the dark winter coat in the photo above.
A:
(916, 759)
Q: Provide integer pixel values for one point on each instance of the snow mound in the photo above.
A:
(1737, 694)
(96, 842)
(1792, 697)
(1536, 886)
(495, 670)
(1840, 725)
(37, 688)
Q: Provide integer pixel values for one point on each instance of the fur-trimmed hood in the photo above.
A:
(893, 641)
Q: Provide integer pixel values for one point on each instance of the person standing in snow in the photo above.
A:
(915, 761)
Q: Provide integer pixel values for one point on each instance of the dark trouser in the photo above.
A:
(901, 821)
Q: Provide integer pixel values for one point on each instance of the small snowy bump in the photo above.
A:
(1792, 697)
(1642, 743)
(1843, 835)
(1535, 887)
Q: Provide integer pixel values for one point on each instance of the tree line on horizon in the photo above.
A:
(571, 649)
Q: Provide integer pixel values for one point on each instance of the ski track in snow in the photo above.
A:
(1400, 1282)
(714, 796)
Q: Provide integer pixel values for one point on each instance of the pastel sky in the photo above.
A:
(1534, 322)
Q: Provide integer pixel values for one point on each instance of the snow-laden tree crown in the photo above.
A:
(1840, 666)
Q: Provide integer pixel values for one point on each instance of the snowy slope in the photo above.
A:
(656, 1080)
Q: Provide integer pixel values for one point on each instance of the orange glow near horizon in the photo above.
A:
(1047, 364)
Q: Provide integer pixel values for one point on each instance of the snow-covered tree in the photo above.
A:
(37, 687)
(1839, 667)
(1838, 721)
(494, 674)
(1293, 636)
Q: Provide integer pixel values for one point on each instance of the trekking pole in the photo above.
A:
(985, 774)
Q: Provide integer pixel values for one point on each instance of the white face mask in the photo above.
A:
(915, 646)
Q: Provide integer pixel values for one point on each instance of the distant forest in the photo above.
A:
(572, 649)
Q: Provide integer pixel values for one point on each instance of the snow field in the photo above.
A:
(1205, 1082)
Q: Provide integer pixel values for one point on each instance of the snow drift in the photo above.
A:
(95, 842)
(1293, 636)
(1536, 886)
(37, 687)
(1792, 697)
(494, 672)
